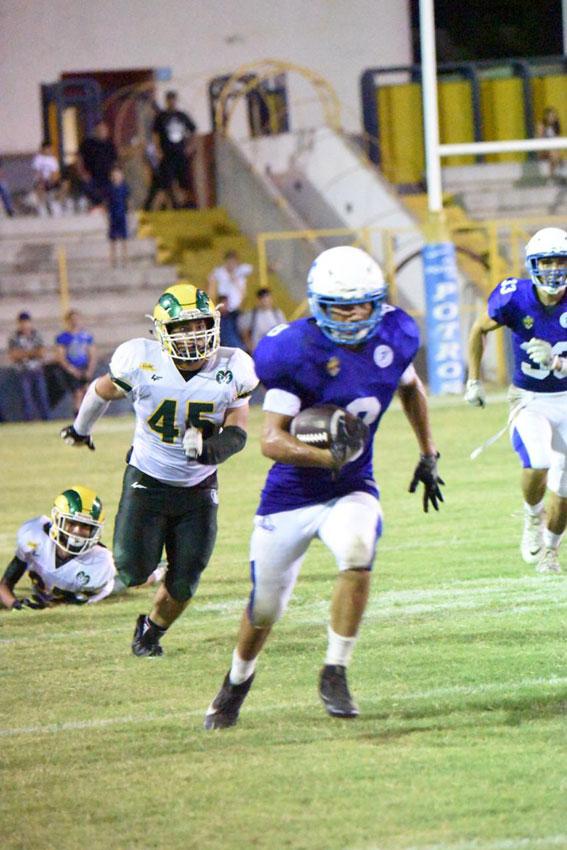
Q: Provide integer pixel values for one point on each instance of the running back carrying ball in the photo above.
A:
(331, 427)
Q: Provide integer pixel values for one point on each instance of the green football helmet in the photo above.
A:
(176, 315)
(77, 505)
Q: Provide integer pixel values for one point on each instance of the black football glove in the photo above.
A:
(70, 436)
(36, 603)
(426, 472)
(349, 439)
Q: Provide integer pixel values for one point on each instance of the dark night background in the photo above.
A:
(492, 29)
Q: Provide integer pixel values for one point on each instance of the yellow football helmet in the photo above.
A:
(76, 505)
(177, 308)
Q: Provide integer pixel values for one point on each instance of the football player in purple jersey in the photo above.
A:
(354, 352)
(535, 310)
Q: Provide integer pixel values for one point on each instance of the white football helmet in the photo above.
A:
(341, 277)
(546, 244)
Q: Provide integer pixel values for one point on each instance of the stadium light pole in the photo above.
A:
(430, 106)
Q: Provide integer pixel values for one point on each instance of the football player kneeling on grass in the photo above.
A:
(191, 398)
(62, 555)
(353, 354)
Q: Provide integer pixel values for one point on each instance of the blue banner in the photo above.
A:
(444, 351)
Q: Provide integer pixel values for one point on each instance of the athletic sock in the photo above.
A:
(152, 631)
(339, 648)
(241, 670)
(535, 510)
(551, 540)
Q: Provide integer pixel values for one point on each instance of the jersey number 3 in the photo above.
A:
(540, 373)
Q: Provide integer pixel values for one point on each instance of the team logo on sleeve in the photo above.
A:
(563, 320)
(83, 578)
(528, 322)
(383, 356)
(224, 377)
(333, 366)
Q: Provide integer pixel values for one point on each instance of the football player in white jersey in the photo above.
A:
(62, 555)
(190, 397)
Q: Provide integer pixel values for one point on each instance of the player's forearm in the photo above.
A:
(92, 408)
(477, 340)
(7, 597)
(282, 447)
(416, 409)
(13, 573)
(476, 350)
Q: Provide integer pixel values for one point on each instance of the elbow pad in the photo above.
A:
(219, 448)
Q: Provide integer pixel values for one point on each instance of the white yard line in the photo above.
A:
(153, 717)
(511, 594)
(506, 844)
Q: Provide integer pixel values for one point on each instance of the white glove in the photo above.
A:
(474, 393)
(193, 442)
(539, 351)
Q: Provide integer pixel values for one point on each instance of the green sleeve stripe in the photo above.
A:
(246, 393)
(122, 384)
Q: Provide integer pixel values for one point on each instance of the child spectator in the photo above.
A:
(118, 214)
(46, 179)
(76, 357)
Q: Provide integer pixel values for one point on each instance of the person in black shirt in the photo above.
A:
(173, 133)
(97, 155)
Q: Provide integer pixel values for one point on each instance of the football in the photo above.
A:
(317, 426)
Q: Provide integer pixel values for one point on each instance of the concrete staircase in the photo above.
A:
(507, 189)
(112, 300)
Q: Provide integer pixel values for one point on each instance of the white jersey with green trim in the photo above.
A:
(165, 403)
(87, 577)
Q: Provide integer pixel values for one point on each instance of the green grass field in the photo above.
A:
(460, 673)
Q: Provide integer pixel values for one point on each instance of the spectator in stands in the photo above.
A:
(117, 206)
(157, 197)
(76, 355)
(5, 196)
(549, 128)
(46, 180)
(229, 282)
(97, 155)
(255, 323)
(25, 348)
(174, 141)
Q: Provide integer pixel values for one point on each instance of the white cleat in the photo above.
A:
(550, 562)
(532, 538)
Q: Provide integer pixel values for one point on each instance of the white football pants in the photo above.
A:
(349, 527)
(539, 436)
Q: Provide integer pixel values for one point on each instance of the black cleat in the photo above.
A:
(223, 711)
(333, 690)
(143, 643)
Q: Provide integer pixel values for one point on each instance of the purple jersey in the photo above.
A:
(515, 304)
(300, 360)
